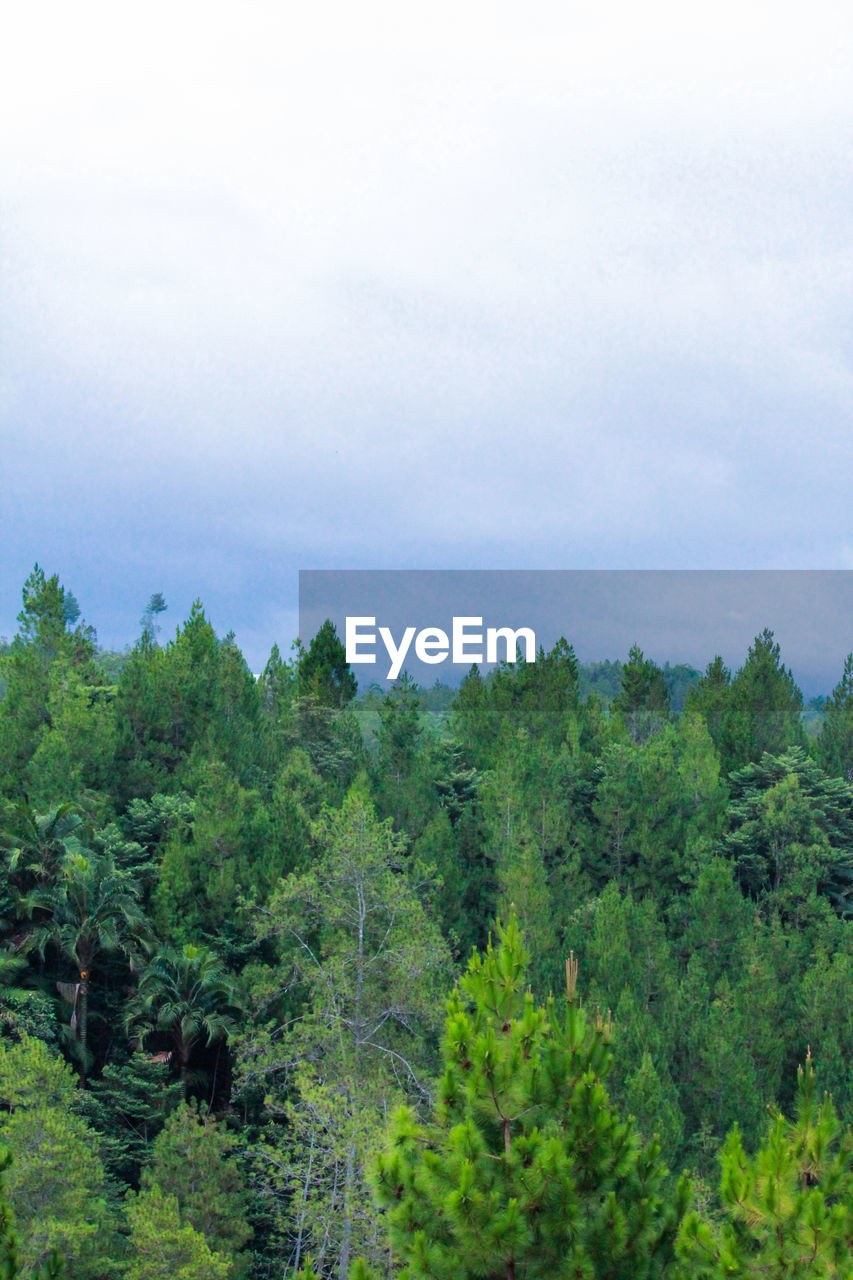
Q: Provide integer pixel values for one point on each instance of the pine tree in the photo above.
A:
(765, 706)
(787, 1211)
(165, 1247)
(834, 747)
(194, 1160)
(643, 699)
(324, 672)
(56, 1185)
(359, 951)
(9, 1268)
(527, 1172)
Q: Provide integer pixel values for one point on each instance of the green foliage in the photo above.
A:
(711, 698)
(357, 946)
(765, 707)
(194, 1160)
(540, 698)
(787, 1211)
(643, 698)
(22, 1011)
(658, 805)
(164, 1247)
(90, 909)
(526, 1168)
(55, 724)
(52, 1268)
(834, 749)
(195, 694)
(791, 832)
(185, 996)
(324, 672)
(128, 1104)
(698, 861)
(56, 1185)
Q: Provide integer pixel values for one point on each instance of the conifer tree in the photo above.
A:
(834, 747)
(787, 1211)
(9, 1268)
(526, 1172)
(324, 672)
(643, 699)
(765, 705)
(193, 1160)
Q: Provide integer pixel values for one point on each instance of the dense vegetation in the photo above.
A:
(258, 1017)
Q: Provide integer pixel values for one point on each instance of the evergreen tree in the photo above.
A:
(56, 1184)
(526, 1171)
(765, 707)
(711, 699)
(324, 673)
(791, 831)
(164, 1247)
(356, 989)
(643, 699)
(834, 747)
(787, 1211)
(128, 1104)
(52, 1268)
(52, 705)
(194, 1160)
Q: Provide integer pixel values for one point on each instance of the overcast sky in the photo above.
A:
(355, 285)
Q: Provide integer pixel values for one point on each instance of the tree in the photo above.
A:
(44, 670)
(45, 614)
(91, 908)
(128, 1104)
(195, 695)
(765, 706)
(787, 1211)
(163, 1247)
(342, 1028)
(791, 831)
(194, 1160)
(36, 843)
(148, 622)
(834, 748)
(643, 698)
(9, 1269)
(56, 1185)
(526, 1170)
(658, 805)
(711, 698)
(324, 673)
(186, 996)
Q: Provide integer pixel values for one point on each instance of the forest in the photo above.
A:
(549, 976)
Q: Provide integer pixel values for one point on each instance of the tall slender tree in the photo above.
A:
(91, 908)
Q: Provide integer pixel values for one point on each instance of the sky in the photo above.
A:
(454, 286)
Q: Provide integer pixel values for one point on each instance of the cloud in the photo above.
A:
(461, 285)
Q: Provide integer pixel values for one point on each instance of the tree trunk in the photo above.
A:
(83, 1024)
(346, 1235)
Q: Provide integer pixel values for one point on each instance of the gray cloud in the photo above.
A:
(364, 286)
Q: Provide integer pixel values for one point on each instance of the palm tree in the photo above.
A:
(186, 994)
(36, 843)
(90, 908)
